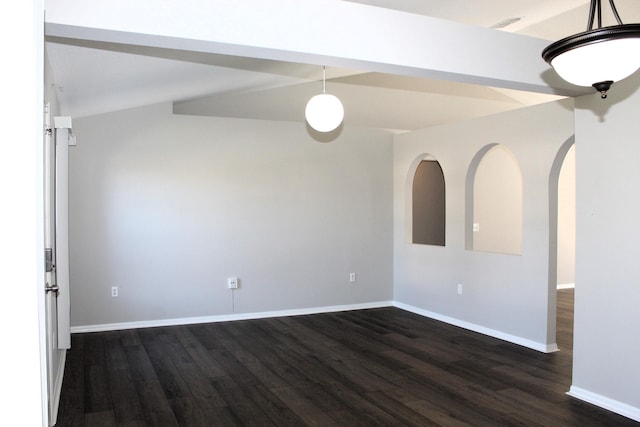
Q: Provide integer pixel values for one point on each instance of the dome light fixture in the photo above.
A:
(597, 57)
(324, 111)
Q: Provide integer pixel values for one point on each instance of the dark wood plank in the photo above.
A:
(378, 367)
(101, 419)
(156, 408)
(127, 407)
(97, 394)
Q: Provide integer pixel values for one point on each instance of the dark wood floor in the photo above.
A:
(379, 367)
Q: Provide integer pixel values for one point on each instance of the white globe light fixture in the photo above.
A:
(597, 57)
(324, 112)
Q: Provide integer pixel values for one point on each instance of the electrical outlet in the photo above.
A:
(352, 277)
(459, 288)
(476, 226)
(114, 291)
(232, 282)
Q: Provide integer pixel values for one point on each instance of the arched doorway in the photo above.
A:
(562, 237)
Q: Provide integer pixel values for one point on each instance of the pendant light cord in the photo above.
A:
(324, 83)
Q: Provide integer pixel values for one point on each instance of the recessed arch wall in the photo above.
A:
(471, 174)
(501, 294)
(494, 197)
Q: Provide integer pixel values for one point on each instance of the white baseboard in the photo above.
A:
(57, 388)
(605, 402)
(566, 286)
(226, 317)
(545, 348)
(315, 310)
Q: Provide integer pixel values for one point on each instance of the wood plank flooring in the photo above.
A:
(379, 367)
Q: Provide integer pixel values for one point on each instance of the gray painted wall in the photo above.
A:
(505, 293)
(607, 318)
(166, 207)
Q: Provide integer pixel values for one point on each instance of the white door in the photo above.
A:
(57, 258)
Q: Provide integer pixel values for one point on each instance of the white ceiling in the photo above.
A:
(93, 78)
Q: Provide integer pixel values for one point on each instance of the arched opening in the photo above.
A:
(562, 238)
(566, 227)
(428, 204)
(494, 200)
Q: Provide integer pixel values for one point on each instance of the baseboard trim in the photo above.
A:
(226, 317)
(566, 286)
(57, 388)
(604, 402)
(545, 348)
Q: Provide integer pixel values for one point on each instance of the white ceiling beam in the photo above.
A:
(322, 32)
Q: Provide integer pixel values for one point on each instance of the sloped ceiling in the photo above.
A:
(93, 78)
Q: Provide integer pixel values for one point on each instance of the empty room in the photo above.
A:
(323, 213)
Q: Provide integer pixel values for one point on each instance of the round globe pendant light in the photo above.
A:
(597, 57)
(324, 112)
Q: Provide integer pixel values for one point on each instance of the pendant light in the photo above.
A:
(597, 57)
(324, 112)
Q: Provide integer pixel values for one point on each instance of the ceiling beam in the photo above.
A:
(321, 32)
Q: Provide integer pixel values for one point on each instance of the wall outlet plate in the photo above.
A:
(232, 282)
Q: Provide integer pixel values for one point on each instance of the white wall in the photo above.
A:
(167, 207)
(505, 295)
(23, 393)
(607, 318)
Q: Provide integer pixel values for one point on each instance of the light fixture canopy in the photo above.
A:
(324, 112)
(597, 57)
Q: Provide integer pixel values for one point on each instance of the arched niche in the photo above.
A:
(426, 202)
(494, 202)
